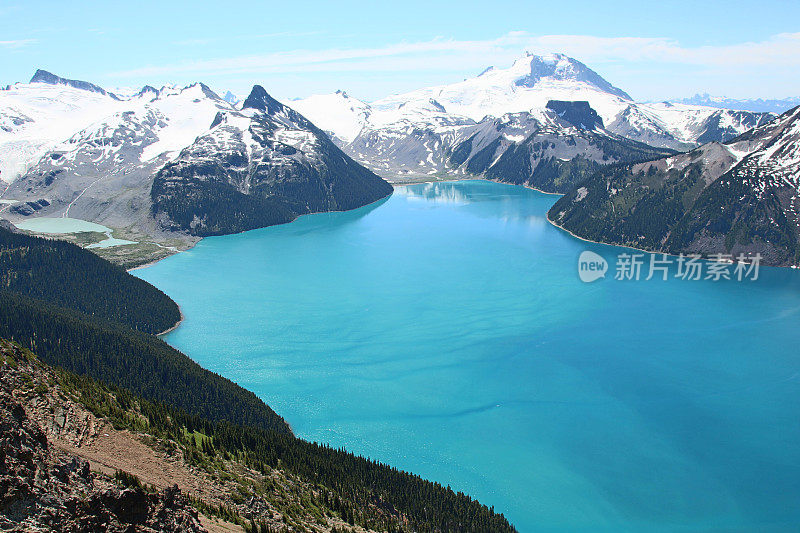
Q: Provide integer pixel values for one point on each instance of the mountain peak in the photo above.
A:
(555, 66)
(261, 100)
(147, 89)
(205, 89)
(43, 76)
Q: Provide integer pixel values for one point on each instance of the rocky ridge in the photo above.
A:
(44, 488)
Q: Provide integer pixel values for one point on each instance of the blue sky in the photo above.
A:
(296, 48)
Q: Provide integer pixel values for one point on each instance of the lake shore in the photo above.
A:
(467, 178)
(177, 324)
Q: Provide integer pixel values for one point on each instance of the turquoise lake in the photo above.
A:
(445, 331)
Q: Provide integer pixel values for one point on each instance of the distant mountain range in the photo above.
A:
(756, 105)
(416, 134)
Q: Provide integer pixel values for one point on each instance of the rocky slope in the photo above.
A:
(552, 152)
(43, 487)
(550, 149)
(738, 197)
(67, 469)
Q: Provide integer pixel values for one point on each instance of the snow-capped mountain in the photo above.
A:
(742, 196)
(54, 114)
(528, 84)
(337, 113)
(203, 164)
(42, 76)
(549, 150)
(682, 126)
(265, 164)
(35, 117)
(83, 153)
(411, 134)
(103, 172)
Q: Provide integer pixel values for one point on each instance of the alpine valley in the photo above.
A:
(161, 168)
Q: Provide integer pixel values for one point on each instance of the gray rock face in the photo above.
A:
(261, 165)
(549, 154)
(8, 226)
(636, 122)
(579, 114)
(633, 123)
(724, 125)
(421, 147)
(408, 149)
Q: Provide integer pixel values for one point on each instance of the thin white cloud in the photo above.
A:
(781, 49)
(653, 68)
(451, 54)
(19, 43)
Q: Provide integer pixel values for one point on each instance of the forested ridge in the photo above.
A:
(534, 162)
(64, 274)
(141, 363)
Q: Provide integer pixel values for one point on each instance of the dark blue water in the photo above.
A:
(445, 331)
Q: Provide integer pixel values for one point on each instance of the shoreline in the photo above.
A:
(180, 310)
(394, 185)
(667, 254)
(154, 261)
(473, 178)
(570, 233)
(177, 324)
(151, 263)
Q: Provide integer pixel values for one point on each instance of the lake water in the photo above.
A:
(49, 225)
(445, 331)
(59, 225)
